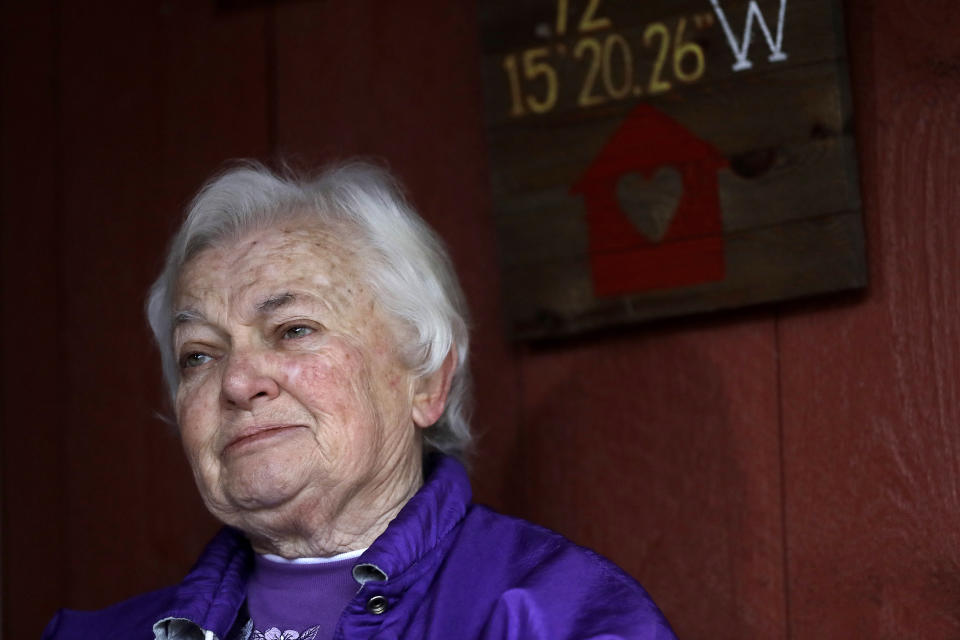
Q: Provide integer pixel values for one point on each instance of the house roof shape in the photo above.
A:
(646, 140)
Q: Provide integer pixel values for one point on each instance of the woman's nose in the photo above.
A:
(248, 379)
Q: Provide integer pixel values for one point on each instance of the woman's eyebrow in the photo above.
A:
(275, 302)
(187, 315)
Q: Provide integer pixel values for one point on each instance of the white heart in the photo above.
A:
(650, 205)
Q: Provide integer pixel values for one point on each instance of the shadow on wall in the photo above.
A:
(658, 450)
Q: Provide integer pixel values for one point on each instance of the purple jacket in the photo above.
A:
(444, 569)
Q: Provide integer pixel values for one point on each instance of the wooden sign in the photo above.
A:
(667, 157)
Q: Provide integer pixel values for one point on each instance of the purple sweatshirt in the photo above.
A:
(445, 568)
(292, 600)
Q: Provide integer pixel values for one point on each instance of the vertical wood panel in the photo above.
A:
(110, 112)
(661, 450)
(154, 97)
(658, 446)
(33, 526)
(870, 397)
(400, 82)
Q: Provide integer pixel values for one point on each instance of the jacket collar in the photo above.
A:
(214, 592)
(431, 514)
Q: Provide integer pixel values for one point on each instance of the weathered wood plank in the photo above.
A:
(797, 106)
(763, 265)
(627, 189)
(548, 225)
(871, 402)
(639, 54)
(34, 530)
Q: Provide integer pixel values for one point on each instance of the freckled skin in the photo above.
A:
(317, 379)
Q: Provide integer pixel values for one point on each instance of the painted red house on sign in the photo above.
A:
(647, 231)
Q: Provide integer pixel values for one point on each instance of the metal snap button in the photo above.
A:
(377, 605)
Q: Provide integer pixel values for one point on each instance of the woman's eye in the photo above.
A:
(194, 359)
(298, 331)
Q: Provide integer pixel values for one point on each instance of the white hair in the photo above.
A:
(404, 261)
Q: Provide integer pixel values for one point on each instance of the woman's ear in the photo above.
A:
(430, 395)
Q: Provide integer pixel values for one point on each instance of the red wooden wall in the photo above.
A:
(785, 472)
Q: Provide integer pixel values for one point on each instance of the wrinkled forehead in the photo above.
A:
(295, 252)
(281, 246)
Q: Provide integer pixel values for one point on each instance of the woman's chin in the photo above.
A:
(264, 488)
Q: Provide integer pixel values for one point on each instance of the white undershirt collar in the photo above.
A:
(346, 555)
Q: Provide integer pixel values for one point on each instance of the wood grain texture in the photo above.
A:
(767, 206)
(508, 28)
(661, 446)
(33, 529)
(660, 449)
(145, 121)
(870, 400)
(814, 172)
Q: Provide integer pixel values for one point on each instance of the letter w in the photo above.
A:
(753, 11)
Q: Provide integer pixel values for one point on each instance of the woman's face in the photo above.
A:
(293, 397)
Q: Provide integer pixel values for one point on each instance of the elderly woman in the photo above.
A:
(314, 339)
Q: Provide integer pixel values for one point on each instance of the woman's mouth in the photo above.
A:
(255, 435)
